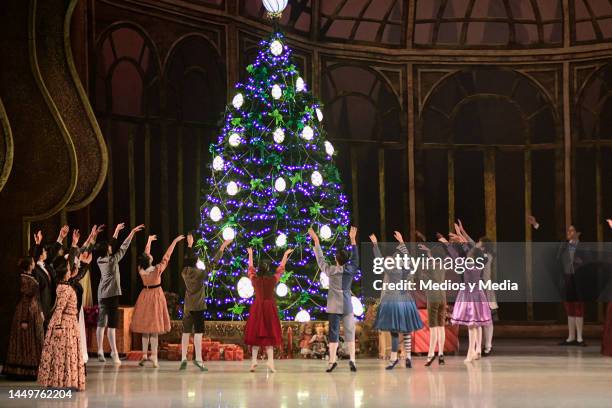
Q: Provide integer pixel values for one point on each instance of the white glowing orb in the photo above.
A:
(275, 6)
(319, 114)
(228, 233)
(282, 290)
(232, 188)
(280, 184)
(279, 135)
(277, 92)
(215, 214)
(238, 101)
(302, 316)
(200, 265)
(307, 133)
(324, 280)
(316, 178)
(218, 163)
(234, 139)
(299, 84)
(281, 240)
(329, 148)
(357, 306)
(245, 288)
(325, 232)
(276, 48)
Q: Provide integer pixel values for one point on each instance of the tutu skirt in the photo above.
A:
(471, 309)
(263, 327)
(399, 316)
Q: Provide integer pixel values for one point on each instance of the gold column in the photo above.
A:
(410, 117)
(110, 199)
(451, 188)
(381, 193)
(490, 194)
(132, 203)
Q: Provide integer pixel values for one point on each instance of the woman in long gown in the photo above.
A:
(62, 364)
(263, 326)
(25, 343)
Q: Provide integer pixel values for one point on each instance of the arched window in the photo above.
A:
(474, 23)
(592, 198)
(362, 117)
(592, 21)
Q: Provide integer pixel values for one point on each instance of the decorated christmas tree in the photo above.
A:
(273, 177)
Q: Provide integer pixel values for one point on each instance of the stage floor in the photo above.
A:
(521, 374)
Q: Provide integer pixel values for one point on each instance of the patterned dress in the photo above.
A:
(25, 343)
(61, 364)
(151, 309)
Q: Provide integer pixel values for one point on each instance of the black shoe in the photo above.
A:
(408, 363)
(568, 343)
(486, 353)
(430, 360)
(352, 366)
(331, 367)
(441, 359)
(580, 344)
(392, 365)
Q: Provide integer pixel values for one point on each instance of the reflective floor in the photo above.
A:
(520, 374)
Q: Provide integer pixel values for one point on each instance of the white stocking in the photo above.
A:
(433, 339)
(488, 337)
(478, 345)
(145, 346)
(579, 326)
(184, 346)
(571, 327)
(333, 350)
(197, 340)
(351, 347)
(110, 333)
(100, 339)
(254, 353)
(154, 344)
(270, 353)
(441, 339)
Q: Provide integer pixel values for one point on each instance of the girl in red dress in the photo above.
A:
(263, 327)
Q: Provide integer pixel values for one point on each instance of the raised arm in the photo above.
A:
(461, 231)
(219, 254)
(126, 244)
(281, 267)
(251, 270)
(355, 251)
(164, 262)
(149, 242)
(376, 249)
(317, 250)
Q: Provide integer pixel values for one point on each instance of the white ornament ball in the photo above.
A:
(238, 100)
(299, 84)
(280, 184)
(324, 280)
(232, 188)
(276, 48)
(357, 306)
(215, 214)
(325, 232)
(316, 178)
(302, 316)
(200, 265)
(281, 240)
(279, 135)
(275, 6)
(234, 139)
(319, 114)
(329, 148)
(282, 290)
(245, 288)
(228, 233)
(218, 163)
(307, 133)
(277, 92)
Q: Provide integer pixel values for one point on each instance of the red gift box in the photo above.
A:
(229, 355)
(213, 356)
(238, 354)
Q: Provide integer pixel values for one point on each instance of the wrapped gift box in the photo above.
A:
(420, 340)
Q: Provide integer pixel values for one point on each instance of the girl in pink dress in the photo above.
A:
(263, 327)
(151, 310)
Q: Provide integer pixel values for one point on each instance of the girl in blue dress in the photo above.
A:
(397, 312)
